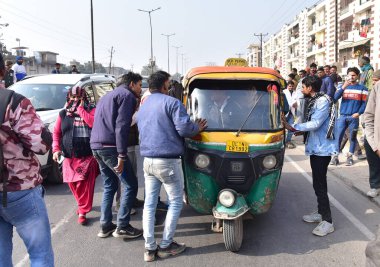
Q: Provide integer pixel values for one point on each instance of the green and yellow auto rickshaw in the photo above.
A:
(234, 166)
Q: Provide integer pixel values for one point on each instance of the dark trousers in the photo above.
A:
(374, 166)
(319, 166)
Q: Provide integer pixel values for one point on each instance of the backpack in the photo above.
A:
(5, 98)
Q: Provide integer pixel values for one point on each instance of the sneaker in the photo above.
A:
(349, 161)
(150, 255)
(373, 192)
(106, 231)
(362, 156)
(324, 228)
(314, 217)
(290, 145)
(138, 203)
(334, 161)
(127, 232)
(173, 249)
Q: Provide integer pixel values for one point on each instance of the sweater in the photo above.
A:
(113, 117)
(163, 122)
(328, 86)
(372, 118)
(354, 99)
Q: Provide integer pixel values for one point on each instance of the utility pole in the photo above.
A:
(261, 46)
(336, 31)
(176, 56)
(152, 62)
(92, 39)
(167, 37)
(112, 51)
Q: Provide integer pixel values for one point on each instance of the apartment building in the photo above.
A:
(330, 32)
(253, 55)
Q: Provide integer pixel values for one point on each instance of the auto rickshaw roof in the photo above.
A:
(230, 69)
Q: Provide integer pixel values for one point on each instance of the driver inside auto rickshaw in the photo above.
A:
(223, 111)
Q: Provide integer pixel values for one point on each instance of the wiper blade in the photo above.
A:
(44, 109)
(249, 114)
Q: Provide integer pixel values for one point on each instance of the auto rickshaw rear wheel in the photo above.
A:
(233, 234)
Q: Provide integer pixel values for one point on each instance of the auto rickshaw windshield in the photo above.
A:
(232, 109)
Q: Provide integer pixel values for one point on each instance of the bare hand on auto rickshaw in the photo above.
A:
(289, 127)
(202, 124)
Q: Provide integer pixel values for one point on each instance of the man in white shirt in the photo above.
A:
(19, 69)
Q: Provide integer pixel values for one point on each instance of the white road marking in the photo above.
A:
(53, 230)
(361, 227)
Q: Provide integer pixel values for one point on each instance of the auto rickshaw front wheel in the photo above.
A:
(233, 234)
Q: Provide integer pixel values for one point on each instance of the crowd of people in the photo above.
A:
(90, 140)
(324, 108)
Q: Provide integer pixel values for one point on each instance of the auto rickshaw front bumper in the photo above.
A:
(238, 209)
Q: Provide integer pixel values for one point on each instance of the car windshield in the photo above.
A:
(252, 109)
(44, 96)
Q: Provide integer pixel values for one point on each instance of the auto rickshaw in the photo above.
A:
(234, 166)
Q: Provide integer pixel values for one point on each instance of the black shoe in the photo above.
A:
(334, 161)
(127, 232)
(150, 255)
(173, 249)
(106, 231)
(138, 203)
(161, 206)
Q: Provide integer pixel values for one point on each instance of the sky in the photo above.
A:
(207, 30)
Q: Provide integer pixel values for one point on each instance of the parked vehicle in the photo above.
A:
(48, 96)
(234, 166)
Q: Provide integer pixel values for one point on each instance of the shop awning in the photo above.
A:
(349, 44)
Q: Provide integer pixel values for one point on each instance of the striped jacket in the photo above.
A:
(354, 99)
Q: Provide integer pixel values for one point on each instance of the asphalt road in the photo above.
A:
(277, 238)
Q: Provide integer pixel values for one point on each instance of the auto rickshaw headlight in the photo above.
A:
(202, 161)
(227, 198)
(269, 162)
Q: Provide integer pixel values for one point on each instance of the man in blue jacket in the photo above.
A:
(319, 145)
(328, 86)
(109, 143)
(163, 123)
(354, 98)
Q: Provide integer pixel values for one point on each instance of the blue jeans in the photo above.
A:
(157, 172)
(342, 123)
(290, 120)
(107, 159)
(27, 212)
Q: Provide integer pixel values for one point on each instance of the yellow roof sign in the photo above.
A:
(236, 62)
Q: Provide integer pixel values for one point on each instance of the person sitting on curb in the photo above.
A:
(372, 136)
(319, 145)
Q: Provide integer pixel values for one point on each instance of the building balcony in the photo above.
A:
(363, 5)
(315, 49)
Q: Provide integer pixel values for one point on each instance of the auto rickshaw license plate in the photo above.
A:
(237, 146)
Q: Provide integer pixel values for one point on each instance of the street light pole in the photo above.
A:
(176, 57)
(168, 37)
(92, 39)
(182, 62)
(152, 63)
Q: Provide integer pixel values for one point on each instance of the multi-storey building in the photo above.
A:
(253, 55)
(330, 32)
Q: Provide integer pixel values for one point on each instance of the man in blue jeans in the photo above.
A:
(22, 136)
(354, 98)
(163, 123)
(109, 143)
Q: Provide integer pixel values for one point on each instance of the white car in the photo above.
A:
(48, 96)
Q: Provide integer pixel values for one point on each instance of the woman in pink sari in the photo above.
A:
(71, 139)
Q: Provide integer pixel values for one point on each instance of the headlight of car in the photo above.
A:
(227, 198)
(202, 161)
(269, 162)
